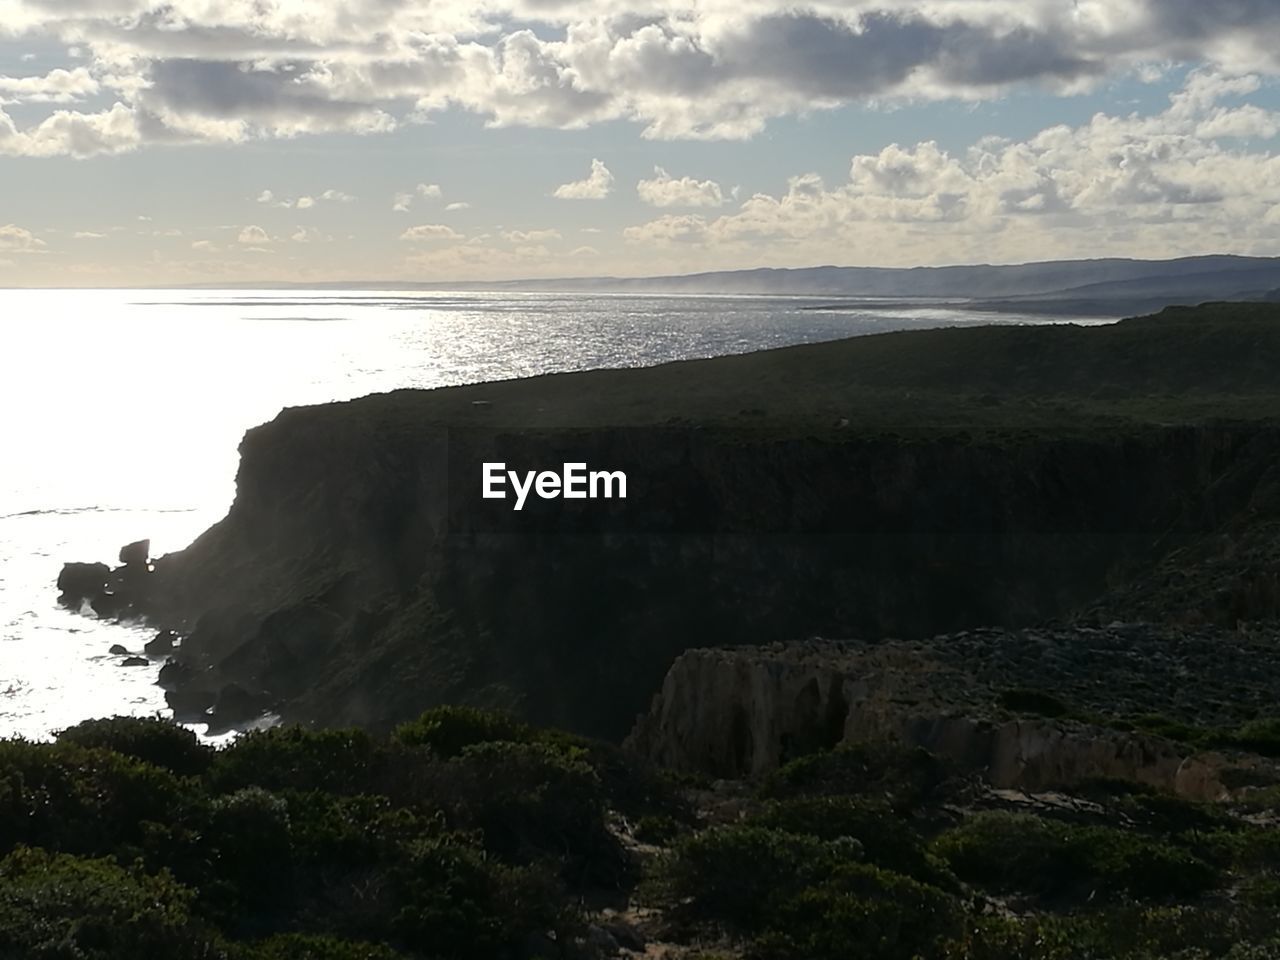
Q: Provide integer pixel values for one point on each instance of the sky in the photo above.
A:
(208, 141)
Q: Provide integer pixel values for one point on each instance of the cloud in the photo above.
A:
(430, 232)
(56, 86)
(427, 191)
(15, 239)
(204, 246)
(595, 187)
(187, 71)
(664, 191)
(1163, 183)
(253, 235)
(304, 202)
(88, 235)
(458, 205)
(530, 236)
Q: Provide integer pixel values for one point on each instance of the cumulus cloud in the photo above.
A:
(304, 202)
(15, 239)
(191, 70)
(1166, 178)
(595, 187)
(530, 236)
(430, 232)
(666, 191)
(457, 205)
(426, 191)
(88, 235)
(253, 235)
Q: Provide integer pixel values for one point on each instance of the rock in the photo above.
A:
(236, 705)
(108, 605)
(134, 662)
(82, 581)
(118, 649)
(190, 704)
(162, 644)
(174, 674)
(136, 553)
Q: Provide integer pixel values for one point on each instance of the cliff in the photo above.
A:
(904, 484)
(980, 698)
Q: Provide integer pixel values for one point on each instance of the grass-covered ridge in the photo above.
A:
(1185, 364)
(467, 834)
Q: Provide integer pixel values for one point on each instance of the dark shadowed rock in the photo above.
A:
(134, 662)
(118, 649)
(236, 705)
(136, 553)
(174, 674)
(108, 605)
(82, 581)
(190, 704)
(162, 644)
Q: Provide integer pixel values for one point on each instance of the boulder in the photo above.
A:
(108, 605)
(190, 704)
(136, 553)
(174, 674)
(162, 644)
(134, 662)
(118, 649)
(236, 705)
(81, 581)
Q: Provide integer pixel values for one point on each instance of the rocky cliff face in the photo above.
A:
(744, 712)
(360, 577)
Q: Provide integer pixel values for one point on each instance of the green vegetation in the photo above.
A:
(466, 835)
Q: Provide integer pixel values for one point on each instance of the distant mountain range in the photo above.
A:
(1072, 286)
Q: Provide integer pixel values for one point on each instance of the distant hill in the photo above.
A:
(1106, 286)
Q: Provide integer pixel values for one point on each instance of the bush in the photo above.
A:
(887, 840)
(906, 776)
(78, 800)
(153, 740)
(251, 850)
(735, 874)
(298, 947)
(1024, 853)
(450, 730)
(294, 758)
(1032, 701)
(886, 915)
(532, 801)
(55, 906)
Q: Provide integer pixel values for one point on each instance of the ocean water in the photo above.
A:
(121, 411)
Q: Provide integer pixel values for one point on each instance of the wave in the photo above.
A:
(70, 511)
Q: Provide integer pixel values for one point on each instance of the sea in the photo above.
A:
(121, 412)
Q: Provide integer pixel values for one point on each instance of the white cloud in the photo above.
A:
(530, 236)
(430, 191)
(595, 187)
(205, 246)
(430, 231)
(88, 235)
(304, 203)
(15, 239)
(665, 191)
(427, 191)
(253, 235)
(458, 205)
(198, 71)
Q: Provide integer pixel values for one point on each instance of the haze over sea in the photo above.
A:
(123, 411)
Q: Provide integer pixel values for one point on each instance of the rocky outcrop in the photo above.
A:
(744, 712)
(904, 485)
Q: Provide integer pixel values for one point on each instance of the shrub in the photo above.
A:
(531, 801)
(887, 840)
(79, 800)
(294, 758)
(735, 874)
(298, 947)
(906, 776)
(1032, 701)
(888, 916)
(153, 740)
(250, 848)
(1020, 852)
(450, 730)
(55, 906)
